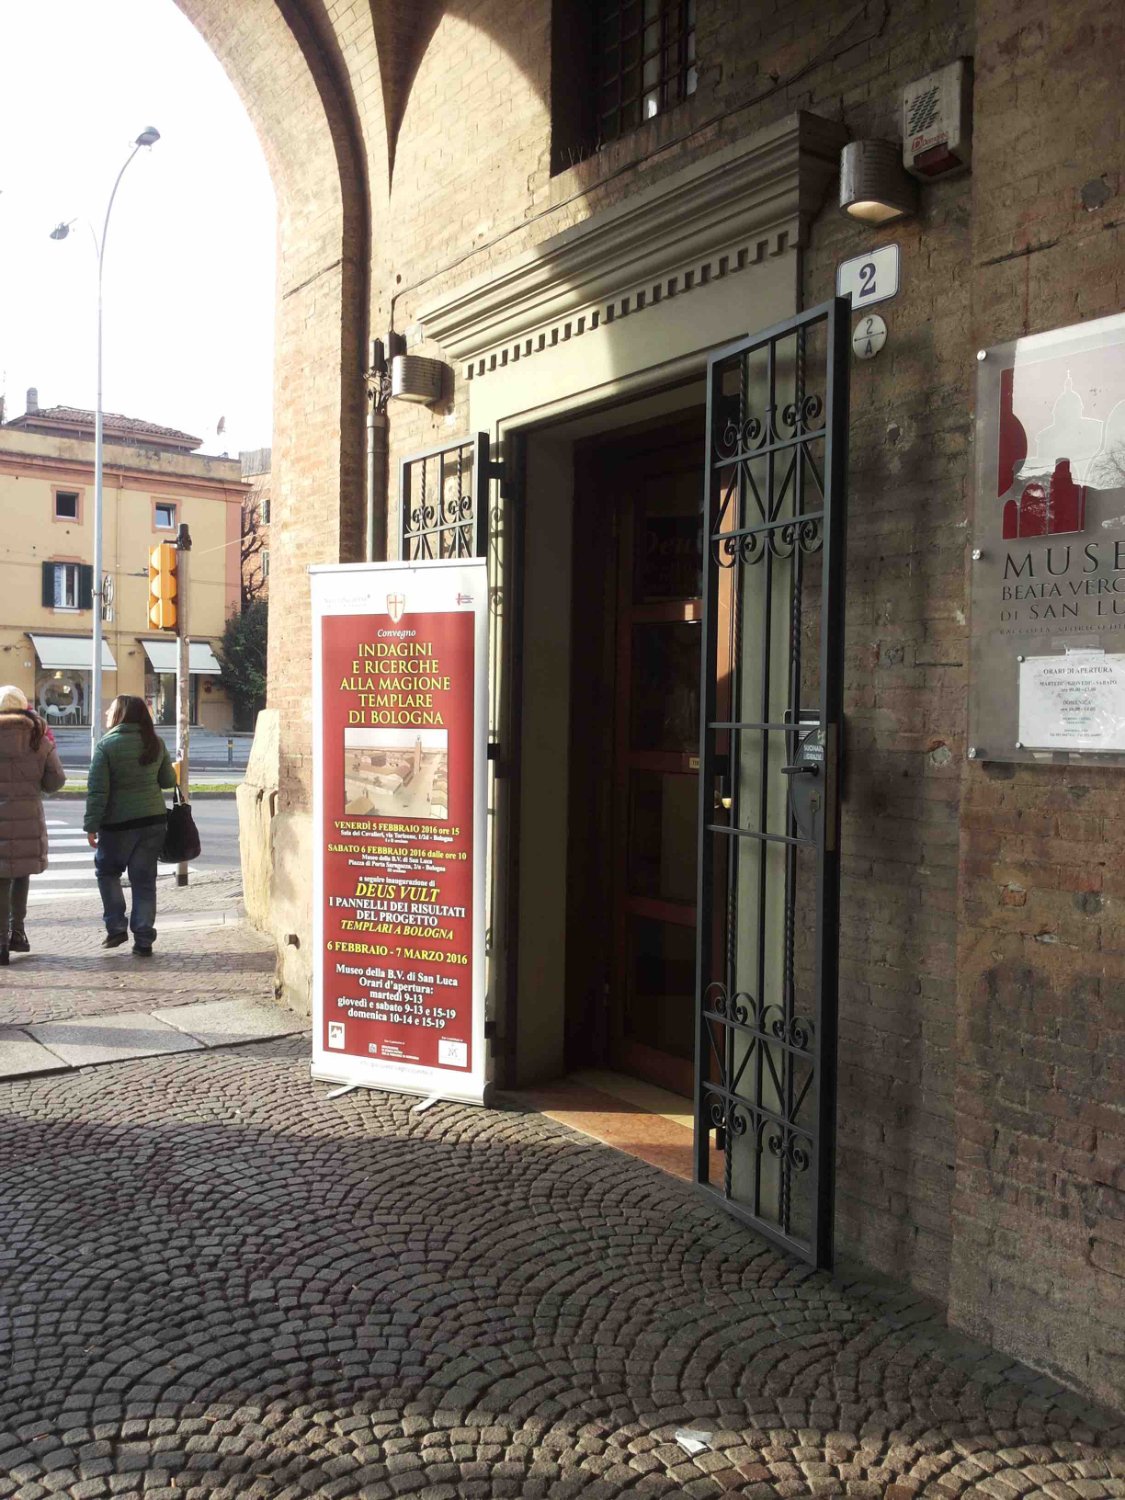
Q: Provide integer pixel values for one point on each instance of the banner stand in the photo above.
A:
(400, 735)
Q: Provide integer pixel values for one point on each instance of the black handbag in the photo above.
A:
(181, 837)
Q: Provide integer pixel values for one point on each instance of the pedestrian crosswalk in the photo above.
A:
(70, 864)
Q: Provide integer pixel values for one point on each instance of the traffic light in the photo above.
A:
(162, 586)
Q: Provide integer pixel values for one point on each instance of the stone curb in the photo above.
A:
(156, 1031)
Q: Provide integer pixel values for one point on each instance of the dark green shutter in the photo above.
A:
(48, 585)
(85, 586)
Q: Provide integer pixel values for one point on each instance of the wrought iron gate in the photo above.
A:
(456, 500)
(769, 819)
(443, 499)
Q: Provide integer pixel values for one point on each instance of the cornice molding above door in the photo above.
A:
(736, 208)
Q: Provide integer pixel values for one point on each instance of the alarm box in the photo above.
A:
(936, 122)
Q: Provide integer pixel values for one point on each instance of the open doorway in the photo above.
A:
(634, 752)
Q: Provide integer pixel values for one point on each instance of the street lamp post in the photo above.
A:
(147, 137)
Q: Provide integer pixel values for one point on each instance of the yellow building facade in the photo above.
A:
(153, 481)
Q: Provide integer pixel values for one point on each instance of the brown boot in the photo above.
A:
(18, 942)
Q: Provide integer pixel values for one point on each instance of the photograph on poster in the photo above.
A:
(396, 773)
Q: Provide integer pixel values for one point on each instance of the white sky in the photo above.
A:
(189, 265)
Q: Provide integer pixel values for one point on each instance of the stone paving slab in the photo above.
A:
(204, 951)
(229, 916)
(20, 1055)
(113, 1038)
(218, 1023)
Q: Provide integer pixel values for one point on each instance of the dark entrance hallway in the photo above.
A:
(634, 753)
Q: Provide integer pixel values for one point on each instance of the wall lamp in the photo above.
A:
(396, 375)
(415, 378)
(874, 188)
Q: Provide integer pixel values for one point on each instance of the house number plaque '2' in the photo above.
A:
(867, 279)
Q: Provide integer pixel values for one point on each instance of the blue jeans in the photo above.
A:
(135, 850)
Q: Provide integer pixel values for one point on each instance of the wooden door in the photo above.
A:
(656, 766)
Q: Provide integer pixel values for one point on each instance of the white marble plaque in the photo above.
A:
(1072, 702)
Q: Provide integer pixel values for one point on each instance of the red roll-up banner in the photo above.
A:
(400, 734)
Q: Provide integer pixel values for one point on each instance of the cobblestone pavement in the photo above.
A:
(202, 953)
(215, 1280)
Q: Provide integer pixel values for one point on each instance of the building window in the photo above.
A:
(265, 563)
(62, 697)
(68, 585)
(645, 62)
(161, 691)
(616, 64)
(266, 511)
(164, 516)
(66, 505)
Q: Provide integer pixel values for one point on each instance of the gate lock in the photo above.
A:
(806, 783)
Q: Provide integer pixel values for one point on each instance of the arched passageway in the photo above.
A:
(292, 89)
(412, 151)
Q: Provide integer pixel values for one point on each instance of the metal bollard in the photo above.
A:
(230, 751)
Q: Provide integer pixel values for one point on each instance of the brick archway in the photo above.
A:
(285, 62)
(297, 96)
(329, 94)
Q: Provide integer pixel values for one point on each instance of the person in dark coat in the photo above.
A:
(29, 766)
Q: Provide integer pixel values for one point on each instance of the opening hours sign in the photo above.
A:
(399, 747)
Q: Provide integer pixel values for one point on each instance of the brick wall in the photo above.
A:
(300, 104)
(1039, 1213)
(906, 687)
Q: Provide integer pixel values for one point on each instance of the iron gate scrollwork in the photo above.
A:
(444, 501)
(767, 973)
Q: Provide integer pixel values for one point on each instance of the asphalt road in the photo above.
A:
(217, 821)
(218, 756)
(70, 870)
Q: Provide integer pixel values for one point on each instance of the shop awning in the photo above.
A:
(70, 653)
(202, 661)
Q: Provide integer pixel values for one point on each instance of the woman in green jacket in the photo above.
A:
(125, 819)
